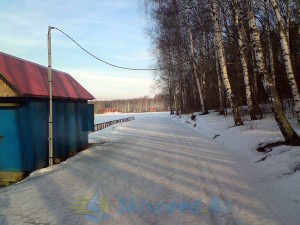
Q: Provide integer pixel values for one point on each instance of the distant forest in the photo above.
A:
(135, 105)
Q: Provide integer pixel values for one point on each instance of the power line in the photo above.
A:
(101, 60)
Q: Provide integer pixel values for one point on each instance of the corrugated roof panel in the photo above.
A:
(31, 79)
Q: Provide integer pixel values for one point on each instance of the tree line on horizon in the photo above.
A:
(134, 105)
(228, 53)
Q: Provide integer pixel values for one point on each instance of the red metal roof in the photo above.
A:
(31, 79)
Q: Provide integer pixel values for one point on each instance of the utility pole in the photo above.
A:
(50, 139)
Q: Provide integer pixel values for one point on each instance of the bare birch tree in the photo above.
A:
(269, 83)
(222, 61)
(287, 59)
(198, 79)
(240, 40)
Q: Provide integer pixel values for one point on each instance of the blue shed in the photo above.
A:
(24, 113)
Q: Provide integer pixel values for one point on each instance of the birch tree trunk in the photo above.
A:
(219, 44)
(243, 61)
(199, 85)
(287, 60)
(220, 86)
(171, 96)
(270, 46)
(288, 22)
(255, 76)
(298, 19)
(202, 61)
(177, 103)
(268, 81)
(183, 102)
(183, 93)
(298, 30)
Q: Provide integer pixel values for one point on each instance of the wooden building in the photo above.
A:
(24, 113)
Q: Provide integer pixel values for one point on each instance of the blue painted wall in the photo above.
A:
(24, 132)
(91, 118)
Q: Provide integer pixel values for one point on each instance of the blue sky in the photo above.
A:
(113, 30)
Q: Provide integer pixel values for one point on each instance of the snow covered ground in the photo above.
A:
(279, 173)
(161, 169)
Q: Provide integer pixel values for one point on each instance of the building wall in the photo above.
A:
(24, 132)
(16, 141)
(6, 90)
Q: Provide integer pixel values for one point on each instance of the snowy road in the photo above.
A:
(148, 171)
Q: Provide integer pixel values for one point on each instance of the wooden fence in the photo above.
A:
(104, 125)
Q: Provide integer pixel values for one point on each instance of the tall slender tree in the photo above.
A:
(269, 83)
(222, 61)
(287, 59)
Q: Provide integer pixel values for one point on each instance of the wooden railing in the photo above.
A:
(104, 125)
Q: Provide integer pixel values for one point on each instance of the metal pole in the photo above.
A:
(50, 98)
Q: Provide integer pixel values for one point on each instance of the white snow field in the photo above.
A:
(161, 170)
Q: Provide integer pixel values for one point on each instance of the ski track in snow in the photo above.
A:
(153, 158)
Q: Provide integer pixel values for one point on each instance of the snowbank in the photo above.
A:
(280, 170)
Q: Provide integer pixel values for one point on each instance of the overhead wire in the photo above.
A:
(99, 59)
